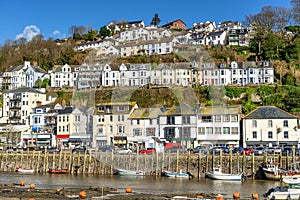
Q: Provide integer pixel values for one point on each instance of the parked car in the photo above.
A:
(123, 151)
(201, 149)
(106, 148)
(147, 151)
(247, 151)
(51, 150)
(175, 149)
(233, 149)
(216, 150)
(272, 150)
(287, 151)
(9, 149)
(259, 150)
(79, 149)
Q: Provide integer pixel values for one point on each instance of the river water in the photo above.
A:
(148, 185)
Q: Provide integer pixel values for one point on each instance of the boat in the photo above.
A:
(273, 171)
(124, 172)
(58, 171)
(24, 170)
(177, 175)
(217, 174)
(291, 191)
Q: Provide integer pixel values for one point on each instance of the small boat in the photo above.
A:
(58, 171)
(292, 191)
(177, 175)
(24, 170)
(217, 174)
(124, 172)
(273, 171)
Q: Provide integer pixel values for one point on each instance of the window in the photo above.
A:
(206, 119)
(234, 118)
(226, 118)
(150, 131)
(270, 134)
(121, 108)
(137, 132)
(209, 130)
(285, 134)
(201, 131)
(169, 132)
(217, 118)
(186, 119)
(234, 130)
(120, 129)
(285, 123)
(254, 123)
(226, 130)
(254, 134)
(111, 118)
(170, 120)
(218, 130)
(270, 123)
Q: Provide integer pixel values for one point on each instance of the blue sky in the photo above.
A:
(53, 18)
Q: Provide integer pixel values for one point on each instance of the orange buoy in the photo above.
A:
(219, 197)
(31, 199)
(22, 183)
(31, 186)
(236, 195)
(255, 196)
(200, 197)
(128, 190)
(82, 194)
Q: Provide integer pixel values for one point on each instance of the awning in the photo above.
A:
(180, 139)
(62, 136)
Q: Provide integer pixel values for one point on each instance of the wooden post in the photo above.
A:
(137, 158)
(177, 161)
(188, 161)
(230, 160)
(221, 158)
(38, 162)
(206, 163)
(59, 161)
(78, 162)
(199, 164)
(90, 163)
(163, 161)
(244, 163)
(156, 168)
(212, 161)
(253, 166)
(84, 162)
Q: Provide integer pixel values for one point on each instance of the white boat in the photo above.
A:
(217, 174)
(124, 172)
(291, 191)
(23, 170)
(177, 175)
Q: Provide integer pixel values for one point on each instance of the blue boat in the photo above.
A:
(177, 175)
(124, 172)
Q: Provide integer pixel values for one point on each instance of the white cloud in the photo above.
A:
(29, 32)
(56, 32)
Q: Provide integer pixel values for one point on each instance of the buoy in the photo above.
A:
(59, 191)
(200, 197)
(219, 197)
(255, 196)
(31, 186)
(236, 195)
(82, 194)
(128, 190)
(31, 199)
(22, 183)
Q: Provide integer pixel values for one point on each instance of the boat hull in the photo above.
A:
(21, 170)
(124, 172)
(229, 177)
(270, 175)
(176, 175)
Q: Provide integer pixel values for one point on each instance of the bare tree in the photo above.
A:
(296, 11)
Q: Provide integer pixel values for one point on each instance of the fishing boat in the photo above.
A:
(58, 171)
(124, 172)
(24, 170)
(291, 191)
(177, 175)
(217, 174)
(273, 171)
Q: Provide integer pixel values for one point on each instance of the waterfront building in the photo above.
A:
(270, 126)
(63, 76)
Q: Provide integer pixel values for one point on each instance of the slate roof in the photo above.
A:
(67, 110)
(182, 109)
(269, 112)
(145, 113)
(24, 89)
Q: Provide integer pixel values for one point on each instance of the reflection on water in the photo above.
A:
(151, 185)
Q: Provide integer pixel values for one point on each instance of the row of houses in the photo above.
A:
(134, 38)
(27, 113)
(137, 75)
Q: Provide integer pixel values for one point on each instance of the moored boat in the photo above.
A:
(177, 175)
(217, 174)
(58, 171)
(24, 170)
(291, 191)
(124, 172)
(273, 171)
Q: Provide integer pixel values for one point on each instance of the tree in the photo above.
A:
(296, 11)
(104, 32)
(155, 20)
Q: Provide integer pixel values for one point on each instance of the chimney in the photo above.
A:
(228, 60)
(164, 107)
(26, 64)
(38, 103)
